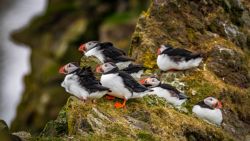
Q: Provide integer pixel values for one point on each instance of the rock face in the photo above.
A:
(218, 29)
(150, 118)
(54, 38)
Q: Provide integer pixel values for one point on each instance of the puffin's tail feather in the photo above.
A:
(182, 96)
(196, 55)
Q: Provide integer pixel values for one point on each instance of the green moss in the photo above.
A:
(142, 119)
(198, 88)
(145, 136)
(149, 59)
(47, 139)
(191, 34)
(119, 130)
(58, 127)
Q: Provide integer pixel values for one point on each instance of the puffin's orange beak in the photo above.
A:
(82, 48)
(99, 69)
(219, 105)
(143, 81)
(158, 51)
(62, 70)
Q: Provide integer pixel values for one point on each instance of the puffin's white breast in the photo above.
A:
(116, 85)
(97, 94)
(166, 94)
(74, 88)
(97, 53)
(165, 63)
(211, 115)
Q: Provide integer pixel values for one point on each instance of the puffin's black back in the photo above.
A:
(87, 76)
(131, 84)
(203, 105)
(133, 68)
(179, 53)
(111, 51)
(174, 92)
(89, 81)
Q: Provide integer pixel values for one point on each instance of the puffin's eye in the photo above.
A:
(105, 65)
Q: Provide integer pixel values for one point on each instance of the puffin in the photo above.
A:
(134, 70)
(106, 52)
(121, 84)
(72, 67)
(170, 58)
(210, 110)
(84, 85)
(170, 93)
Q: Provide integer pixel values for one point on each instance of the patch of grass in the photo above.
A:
(145, 136)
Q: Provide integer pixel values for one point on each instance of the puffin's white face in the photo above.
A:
(161, 49)
(213, 102)
(88, 46)
(106, 67)
(69, 68)
(151, 81)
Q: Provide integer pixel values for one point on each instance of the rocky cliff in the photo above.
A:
(219, 29)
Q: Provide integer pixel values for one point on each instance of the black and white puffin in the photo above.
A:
(170, 58)
(134, 70)
(210, 110)
(106, 52)
(170, 93)
(120, 83)
(72, 67)
(84, 85)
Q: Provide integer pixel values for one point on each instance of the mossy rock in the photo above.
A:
(215, 29)
(139, 120)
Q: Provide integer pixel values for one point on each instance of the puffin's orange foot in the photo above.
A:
(109, 97)
(119, 105)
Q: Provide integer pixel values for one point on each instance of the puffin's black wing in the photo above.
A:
(182, 96)
(203, 105)
(131, 83)
(123, 59)
(96, 87)
(133, 68)
(178, 53)
(110, 51)
(169, 87)
(86, 77)
(174, 92)
(111, 46)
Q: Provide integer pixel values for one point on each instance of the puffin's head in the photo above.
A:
(162, 48)
(106, 67)
(88, 46)
(69, 68)
(151, 81)
(213, 102)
